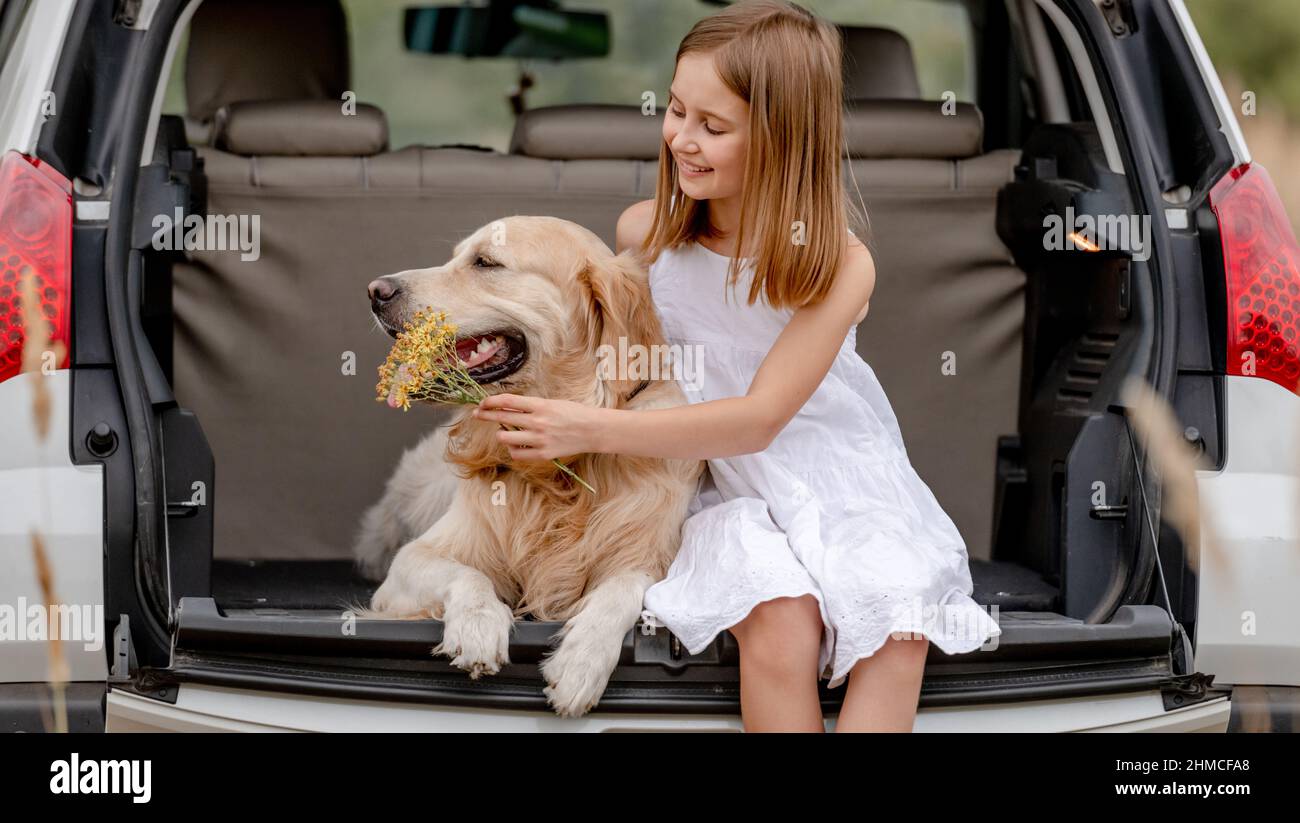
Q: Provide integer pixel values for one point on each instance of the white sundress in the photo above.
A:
(832, 507)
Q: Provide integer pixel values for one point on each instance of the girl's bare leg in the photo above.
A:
(780, 641)
(884, 689)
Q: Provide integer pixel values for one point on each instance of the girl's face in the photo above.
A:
(707, 130)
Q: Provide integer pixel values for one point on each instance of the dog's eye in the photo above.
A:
(482, 262)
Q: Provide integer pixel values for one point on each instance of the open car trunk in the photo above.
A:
(1002, 359)
(1048, 558)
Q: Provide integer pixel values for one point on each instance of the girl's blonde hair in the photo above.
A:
(785, 62)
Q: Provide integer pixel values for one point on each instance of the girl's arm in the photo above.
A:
(787, 377)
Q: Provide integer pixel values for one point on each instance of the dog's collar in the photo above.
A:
(637, 390)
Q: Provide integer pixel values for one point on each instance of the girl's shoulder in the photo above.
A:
(857, 253)
(633, 225)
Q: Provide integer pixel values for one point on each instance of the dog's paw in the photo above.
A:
(577, 674)
(391, 601)
(477, 639)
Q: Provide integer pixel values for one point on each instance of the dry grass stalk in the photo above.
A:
(1176, 463)
(58, 662)
(36, 345)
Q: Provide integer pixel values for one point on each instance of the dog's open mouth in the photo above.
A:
(490, 357)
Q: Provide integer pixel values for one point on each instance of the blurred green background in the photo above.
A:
(1255, 46)
(1258, 41)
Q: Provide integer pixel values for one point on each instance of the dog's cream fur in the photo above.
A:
(468, 536)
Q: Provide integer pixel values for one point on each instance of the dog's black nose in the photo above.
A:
(381, 291)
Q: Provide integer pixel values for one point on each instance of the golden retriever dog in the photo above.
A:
(466, 535)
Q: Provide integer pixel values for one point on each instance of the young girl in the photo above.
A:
(812, 540)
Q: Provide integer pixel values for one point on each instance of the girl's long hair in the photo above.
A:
(786, 63)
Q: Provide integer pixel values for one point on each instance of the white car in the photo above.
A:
(205, 187)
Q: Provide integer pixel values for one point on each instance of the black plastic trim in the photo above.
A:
(499, 692)
(25, 707)
(1038, 656)
(201, 626)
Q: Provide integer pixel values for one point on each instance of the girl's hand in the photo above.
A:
(548, 429)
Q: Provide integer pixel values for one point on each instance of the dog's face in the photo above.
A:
(523, 291)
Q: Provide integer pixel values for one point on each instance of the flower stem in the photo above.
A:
(572, 474)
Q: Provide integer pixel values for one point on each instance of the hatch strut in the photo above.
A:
(1184, 650)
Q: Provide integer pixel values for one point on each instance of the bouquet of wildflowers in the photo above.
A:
(424, 365)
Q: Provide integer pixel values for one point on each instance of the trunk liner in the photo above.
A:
(332, 584)
(288, 584)
(279, 625)
(1039, 655)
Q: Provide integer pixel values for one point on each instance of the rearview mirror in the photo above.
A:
(507, 28)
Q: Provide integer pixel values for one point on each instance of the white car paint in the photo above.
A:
(1248, 620)
(1248, 616)
(215, 708)
(28, 73)
(41, 489)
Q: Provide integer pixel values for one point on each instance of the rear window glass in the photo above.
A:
(437, 99)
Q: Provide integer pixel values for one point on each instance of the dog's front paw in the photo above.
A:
(477, 638)
(577, 674)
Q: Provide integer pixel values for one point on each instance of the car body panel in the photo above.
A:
(28, 73)
(214, 708)
(40, 488)
(1248, 622)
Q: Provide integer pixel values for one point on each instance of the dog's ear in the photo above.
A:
(621, 316)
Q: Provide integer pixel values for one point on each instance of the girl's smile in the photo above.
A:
(706, 128)
(692, 171)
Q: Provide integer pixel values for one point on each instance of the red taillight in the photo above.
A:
(1260, 259)
(35, 232)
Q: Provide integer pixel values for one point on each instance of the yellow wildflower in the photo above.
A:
(424, 365)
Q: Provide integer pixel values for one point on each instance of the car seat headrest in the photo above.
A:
(316, 128)
(593, 131)
(878, 64)
(254, 50)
